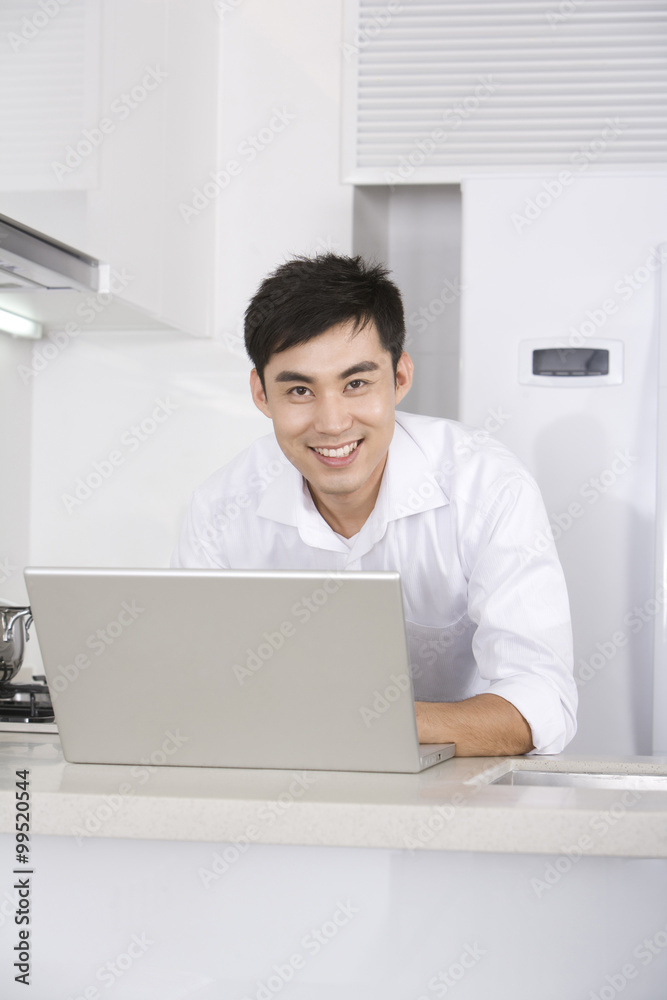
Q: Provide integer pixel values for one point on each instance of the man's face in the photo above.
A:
(336, 391)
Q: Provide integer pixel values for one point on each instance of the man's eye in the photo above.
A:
(299, 390)
(357, 383)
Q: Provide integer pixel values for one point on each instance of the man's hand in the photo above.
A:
(483, 726)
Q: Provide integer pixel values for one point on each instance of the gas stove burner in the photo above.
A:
(26, 703)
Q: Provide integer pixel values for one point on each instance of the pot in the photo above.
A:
(14, 625)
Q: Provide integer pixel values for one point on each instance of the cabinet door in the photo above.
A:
(159, 89)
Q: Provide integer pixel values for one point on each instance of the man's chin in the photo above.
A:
(333, 486)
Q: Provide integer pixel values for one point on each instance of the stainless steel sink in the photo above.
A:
(574, 779)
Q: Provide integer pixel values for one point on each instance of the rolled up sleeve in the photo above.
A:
(518, 599)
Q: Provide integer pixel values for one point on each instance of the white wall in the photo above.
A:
(288, 200)
(125, 425)
(16, 421)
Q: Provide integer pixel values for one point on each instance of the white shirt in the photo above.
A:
(463, 522)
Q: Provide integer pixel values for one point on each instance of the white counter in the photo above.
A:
(450, 806)
(226, 884)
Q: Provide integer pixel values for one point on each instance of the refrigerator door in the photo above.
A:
(660, 657)
(559, 267)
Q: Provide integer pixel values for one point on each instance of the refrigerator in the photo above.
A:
(560, 332)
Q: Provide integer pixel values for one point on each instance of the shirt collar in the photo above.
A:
(410, 485)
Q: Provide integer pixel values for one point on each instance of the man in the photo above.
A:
(346, 483)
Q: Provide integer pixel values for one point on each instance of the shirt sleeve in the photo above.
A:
(518, 598)
(198, 545)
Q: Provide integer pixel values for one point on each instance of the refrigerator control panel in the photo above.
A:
(559, 362)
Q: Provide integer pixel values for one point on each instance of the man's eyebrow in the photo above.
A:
(289, 376)
(362, 366)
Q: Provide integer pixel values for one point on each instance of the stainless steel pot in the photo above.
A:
(14, 625)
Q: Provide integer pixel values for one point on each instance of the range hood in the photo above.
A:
(54, 284)
(31, 262)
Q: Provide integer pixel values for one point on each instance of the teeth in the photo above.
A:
(337, 452)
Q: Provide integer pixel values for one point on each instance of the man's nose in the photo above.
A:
(332, 416)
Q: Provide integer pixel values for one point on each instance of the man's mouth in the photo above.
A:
(341, 452)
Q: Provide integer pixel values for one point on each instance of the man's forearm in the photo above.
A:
(483, 726)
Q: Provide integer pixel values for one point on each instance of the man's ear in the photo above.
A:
(258, 393)
(404, 370)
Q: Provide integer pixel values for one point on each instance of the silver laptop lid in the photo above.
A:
(228, 668)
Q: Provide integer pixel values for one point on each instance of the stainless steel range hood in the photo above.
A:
(31, 262)
(54, 284)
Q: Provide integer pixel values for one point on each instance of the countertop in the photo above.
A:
(449, 807)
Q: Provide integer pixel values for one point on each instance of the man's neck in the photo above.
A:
(347, 513)
(344, 522)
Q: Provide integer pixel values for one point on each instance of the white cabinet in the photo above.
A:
(160, 88)
(210, 153)
(142, 138)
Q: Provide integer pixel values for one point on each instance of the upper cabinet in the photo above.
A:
(191, 144)
(112, 141)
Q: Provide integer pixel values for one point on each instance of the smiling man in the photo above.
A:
(347, 483)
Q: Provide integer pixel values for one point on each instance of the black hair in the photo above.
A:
(307, 295)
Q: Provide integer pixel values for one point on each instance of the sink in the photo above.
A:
(578, 779)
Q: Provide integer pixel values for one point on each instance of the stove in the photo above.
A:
(26, 707)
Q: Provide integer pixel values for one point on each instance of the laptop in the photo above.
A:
(227, 668)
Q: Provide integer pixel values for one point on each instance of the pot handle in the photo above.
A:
(8, 631)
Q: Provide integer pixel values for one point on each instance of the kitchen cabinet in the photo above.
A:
(179, 882)
(161, 101)
(183, 174)
(114, 178)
